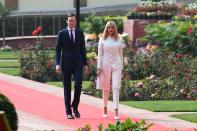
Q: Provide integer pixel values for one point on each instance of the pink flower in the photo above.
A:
(188, 70)
(182, 90)
(140, 85)
(179, 55)
(37, 30)
(152, 77)
(187, 78)
(137, 94)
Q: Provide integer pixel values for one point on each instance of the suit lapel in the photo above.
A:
(67, 33)
(76, 36)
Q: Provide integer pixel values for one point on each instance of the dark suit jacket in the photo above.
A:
(67, 52)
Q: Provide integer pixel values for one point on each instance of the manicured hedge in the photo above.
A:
(10, 111)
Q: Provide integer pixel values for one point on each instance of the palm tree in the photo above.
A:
(4, 12)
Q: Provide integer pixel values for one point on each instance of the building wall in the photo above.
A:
(95, 3)
(66, 4)
(2, 1)
(19, 43)
(11, 4)
(45, 4)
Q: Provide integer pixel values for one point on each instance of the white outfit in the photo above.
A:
(110, 60)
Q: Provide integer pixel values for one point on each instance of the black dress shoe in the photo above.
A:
(76, 113)
(70, 116)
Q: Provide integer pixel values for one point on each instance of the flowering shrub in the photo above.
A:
(35, 62)
(183, 77)
(127, 125)
(177, 36)
(6, 48)
(162, 10)
(139, 66)
(158, 7)
(8, 107)
(153, 10)
(171, 74)
(157, 89)
(190, 9)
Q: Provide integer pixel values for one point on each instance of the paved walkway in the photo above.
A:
(29, 121)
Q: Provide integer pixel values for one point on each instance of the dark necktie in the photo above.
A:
(71, 36)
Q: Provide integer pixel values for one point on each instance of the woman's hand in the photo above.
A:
(58, 69)
(99, 70)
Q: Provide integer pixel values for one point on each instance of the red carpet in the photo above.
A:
(52, 108)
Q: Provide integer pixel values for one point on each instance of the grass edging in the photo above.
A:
(191, 117)
(164, 105)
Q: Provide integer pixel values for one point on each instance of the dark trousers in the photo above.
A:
(75, 70)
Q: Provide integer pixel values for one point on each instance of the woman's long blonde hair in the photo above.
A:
(105, 32)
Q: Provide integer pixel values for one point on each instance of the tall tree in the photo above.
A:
(4, 12)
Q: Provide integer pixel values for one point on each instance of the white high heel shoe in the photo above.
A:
(104, 115)
(116, 117)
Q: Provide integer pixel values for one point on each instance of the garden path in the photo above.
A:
(41, 107)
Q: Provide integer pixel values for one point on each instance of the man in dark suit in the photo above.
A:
(70, 58)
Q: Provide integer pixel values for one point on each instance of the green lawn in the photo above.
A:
(188, 117)
(59, 84)
(10, 71)
(8, 55)
(164, 106)
(9, 64)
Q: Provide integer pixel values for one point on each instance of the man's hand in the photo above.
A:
(86, 70)
(58, 68)
(99, 70)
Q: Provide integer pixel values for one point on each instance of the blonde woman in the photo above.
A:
(110, 65)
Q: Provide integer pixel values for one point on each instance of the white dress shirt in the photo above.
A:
(73, 32)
